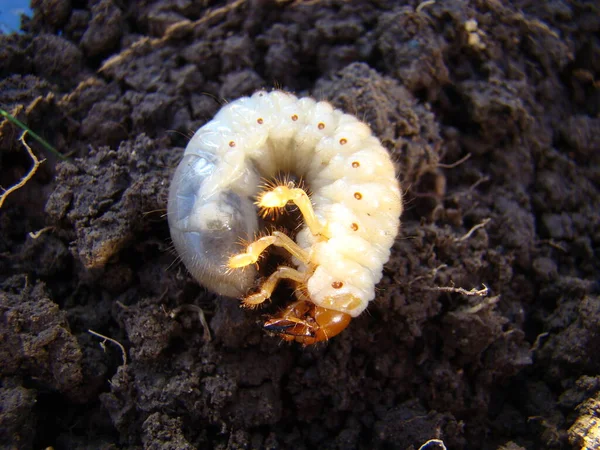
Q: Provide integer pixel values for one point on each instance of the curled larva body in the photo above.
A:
(206, 229)
(351, 219)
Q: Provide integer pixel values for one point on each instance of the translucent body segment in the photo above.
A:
(206, 139)
(243, 113)
(205, 231)
(231, 169)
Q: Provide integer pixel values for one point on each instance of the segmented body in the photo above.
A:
(354, 192)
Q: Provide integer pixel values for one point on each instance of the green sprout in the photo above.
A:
(33, 134)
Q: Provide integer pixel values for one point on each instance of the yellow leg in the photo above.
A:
(282, 195)
(267, 288)
(254, 250)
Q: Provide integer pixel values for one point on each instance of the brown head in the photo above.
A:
(307, 323)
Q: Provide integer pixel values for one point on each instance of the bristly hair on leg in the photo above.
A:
(267, 185)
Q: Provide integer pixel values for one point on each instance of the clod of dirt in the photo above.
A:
(18, 420)
(105, 29)
(103, 198)
(36, 343)
(406, 127)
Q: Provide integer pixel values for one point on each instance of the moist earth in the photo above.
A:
(484, 332)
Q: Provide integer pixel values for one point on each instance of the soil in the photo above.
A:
(491, 111)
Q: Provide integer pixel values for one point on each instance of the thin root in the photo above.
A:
(553, 244)
(423, 5)
(33, 134)
(38, 233)
(472, 230)
(432, 274)
(103, 344)
(472, 293)
(474, 186)
(193, 308)
(471, 188)
(433, 441)
(176, 29)
(483, 304)
(26, 178)
(538, 341)
(456, 163)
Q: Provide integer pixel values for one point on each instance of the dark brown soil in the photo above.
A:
(118, 86)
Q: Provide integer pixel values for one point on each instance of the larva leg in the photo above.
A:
(267, 288)
(255, 249)
(282, 195)
(304, 322)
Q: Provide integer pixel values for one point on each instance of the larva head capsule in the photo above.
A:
(307, 323)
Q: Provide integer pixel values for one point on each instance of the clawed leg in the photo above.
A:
(267, 288)
(304, 322)
(281, 195)
(255, 249)
(253, 252)
(301, 321)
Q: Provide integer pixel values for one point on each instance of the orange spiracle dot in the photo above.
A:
(357, 195)
(354, 226)
(231, 143)
(321, 125)
(295, 117)
(343, 141)
(337, 285)
(355, 164)
(260, 120)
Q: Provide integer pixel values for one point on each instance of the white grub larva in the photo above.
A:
(349, 224)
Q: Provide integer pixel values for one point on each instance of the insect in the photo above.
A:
(349, 221)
